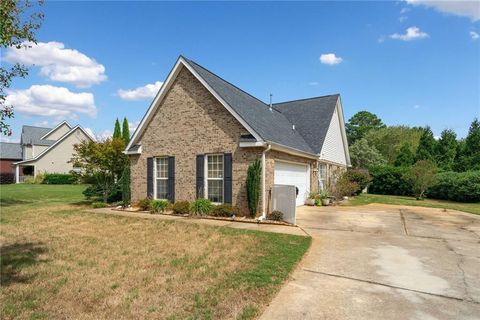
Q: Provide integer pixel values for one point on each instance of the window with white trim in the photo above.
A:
(214, 177)
(322, 176)
(161, 178)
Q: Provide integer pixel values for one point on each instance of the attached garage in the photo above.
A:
(297, 174)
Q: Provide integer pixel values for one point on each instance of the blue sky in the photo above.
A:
(410, 63)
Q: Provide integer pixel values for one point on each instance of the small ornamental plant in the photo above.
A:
(159, 206)
(201, 207)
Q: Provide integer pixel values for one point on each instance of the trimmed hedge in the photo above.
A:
(7, 178)
(390, 180)
(456, 186)
(59, 178)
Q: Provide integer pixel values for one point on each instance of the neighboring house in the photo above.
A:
(201, 133)
(9, 154)
(44, 150)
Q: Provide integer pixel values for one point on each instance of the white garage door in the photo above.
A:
(293, 174)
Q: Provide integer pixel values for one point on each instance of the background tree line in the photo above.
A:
(403, 160)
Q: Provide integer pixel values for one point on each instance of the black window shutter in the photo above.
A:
(150, 177)
(227, 178)
(200, 175)
(171, 179)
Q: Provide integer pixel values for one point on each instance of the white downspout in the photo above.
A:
(17, 174)
(264, 207)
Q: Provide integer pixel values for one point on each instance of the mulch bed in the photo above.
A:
(236, 219)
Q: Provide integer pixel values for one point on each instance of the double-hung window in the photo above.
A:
(214, 177)
(322, 176)
(161, 178)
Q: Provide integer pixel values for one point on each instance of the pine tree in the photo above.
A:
(125, 131)
(116, 131)
(405, 157)
(446, 149)
(426, 146)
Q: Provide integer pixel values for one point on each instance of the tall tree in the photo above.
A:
(405, 157)
(125, 131)
(365, 156)
(18, 24)
(388, 141)
(117, 132)
(426, 146)
(362, 122)
(471, 150)
(446, 149)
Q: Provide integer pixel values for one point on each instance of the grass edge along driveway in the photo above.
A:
(57, 259)
(367, 198)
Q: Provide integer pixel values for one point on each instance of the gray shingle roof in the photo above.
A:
(10, 151)
(272, 126)
(32, 135)
(311, 117)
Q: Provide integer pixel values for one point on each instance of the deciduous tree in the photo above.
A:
(421, 175)
(364, 156)
(18, 24)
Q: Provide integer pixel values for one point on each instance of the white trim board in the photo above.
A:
(54, 129)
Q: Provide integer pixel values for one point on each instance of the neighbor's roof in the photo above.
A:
(10, 150)
(33, 135)
(311, 117)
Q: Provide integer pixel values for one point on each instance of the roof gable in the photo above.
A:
(311, 117)
(57, 132)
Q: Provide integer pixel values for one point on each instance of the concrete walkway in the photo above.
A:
(384, 262)
(220, 223)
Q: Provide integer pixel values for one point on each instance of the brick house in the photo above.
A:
(201, 133)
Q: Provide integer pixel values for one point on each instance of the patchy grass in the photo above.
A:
(57, 260)
(364, 199)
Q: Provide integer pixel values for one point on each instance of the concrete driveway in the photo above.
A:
(384, 262)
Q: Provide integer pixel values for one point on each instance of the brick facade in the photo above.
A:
(191, 121)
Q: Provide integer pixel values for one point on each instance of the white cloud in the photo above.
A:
(404, 10)
(132, 126)
(50, 101)
(59, 64)
(330, 59)
(313, 83)
(9, 139)
(417, 106)
(470, 9)
(141, 93)
(402, 18)
(104, 135)
(474, 35)
(44, 124)
(412, 33)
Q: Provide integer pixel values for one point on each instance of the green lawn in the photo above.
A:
(58, 259)
(364, 199)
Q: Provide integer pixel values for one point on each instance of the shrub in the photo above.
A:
(275, 215)
(145, 204)
(344, 187)
(181, 207)
(58, 178)
(125, 180)
(456, 186)
(361, 177)
(421, 175)
(7, 178)
(159, 206)
(224, 210)
(253, 186)
(201, 207)
(99, 205)
(390, 180)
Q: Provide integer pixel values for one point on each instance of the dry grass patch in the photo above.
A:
(61, 262)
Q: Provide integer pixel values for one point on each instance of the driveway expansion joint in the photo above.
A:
(391, 286)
